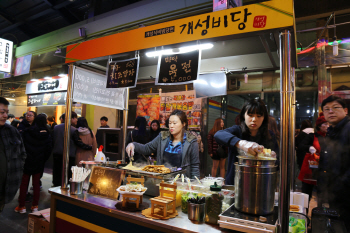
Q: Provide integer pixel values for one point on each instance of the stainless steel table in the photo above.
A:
(90, 213)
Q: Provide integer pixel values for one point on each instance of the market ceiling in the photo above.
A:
(21, 20)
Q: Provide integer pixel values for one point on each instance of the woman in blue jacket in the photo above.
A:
(251, 136)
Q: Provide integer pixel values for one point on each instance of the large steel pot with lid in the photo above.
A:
(255, 184)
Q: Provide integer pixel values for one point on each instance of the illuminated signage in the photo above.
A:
(6, 48)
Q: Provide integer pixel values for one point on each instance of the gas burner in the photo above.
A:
(236, 220)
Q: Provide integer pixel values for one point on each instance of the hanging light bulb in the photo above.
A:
(245, 78)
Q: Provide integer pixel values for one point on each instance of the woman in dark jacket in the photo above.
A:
(139, 135)
(213, 149)
(303, 141)
(154, 130)
(251, 136)
(38, 145)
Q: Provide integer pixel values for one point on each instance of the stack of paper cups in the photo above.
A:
(301, 199)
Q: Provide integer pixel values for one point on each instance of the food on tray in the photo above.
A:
(294, 208)
(131, 167)
(156, 169)
(133, 187)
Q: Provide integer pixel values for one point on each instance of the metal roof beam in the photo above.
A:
(268, 51)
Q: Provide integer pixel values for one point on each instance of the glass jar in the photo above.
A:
(213, 206)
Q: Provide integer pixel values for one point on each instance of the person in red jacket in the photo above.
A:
(217, 154)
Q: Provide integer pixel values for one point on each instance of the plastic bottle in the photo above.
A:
(100, 157)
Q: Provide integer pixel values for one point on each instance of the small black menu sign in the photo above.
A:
(123, 73)
(47, 99)
(104, 181)
(178, 68)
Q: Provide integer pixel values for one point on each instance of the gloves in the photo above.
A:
(312, 150)
(130, 150)
(273, 154)
(250, 147)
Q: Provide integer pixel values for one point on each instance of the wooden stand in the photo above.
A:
(138, 198)
(162, 201)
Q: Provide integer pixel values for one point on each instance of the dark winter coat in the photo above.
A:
(304, 140)
(190, 153)
(335, 164)
(16, 155)
(230, 136)
(38, 145)
(24, 124)
(213, 145)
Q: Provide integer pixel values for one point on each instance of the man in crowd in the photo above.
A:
(12, 157)
(27, 122)
(335, 158)
(10, 118)
(58, 140)
(99, 135)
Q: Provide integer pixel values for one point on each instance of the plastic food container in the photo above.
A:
(208, 181)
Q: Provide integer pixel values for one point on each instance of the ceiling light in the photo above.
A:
(48, 78)
(184, 49)
(62, 75)
(10, 99)
(34, 80)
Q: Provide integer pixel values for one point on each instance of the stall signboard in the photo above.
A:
(148, 106)
(54, 84)
(122, 73)
(47, 99)
(90, 88)
(6, 49)
(257, 17)
(23, 65)
(185, 101)
(178, 68)
(104, 181)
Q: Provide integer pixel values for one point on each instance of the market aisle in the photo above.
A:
(12, 222)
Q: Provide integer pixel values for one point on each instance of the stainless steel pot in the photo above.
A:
(255, 184)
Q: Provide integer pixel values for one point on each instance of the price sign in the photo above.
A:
(122, 73)
(104, 181)
(178, 68)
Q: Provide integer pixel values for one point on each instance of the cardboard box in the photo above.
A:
(39, 222)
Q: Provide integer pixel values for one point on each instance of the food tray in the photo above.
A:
(153, 174)
(301, 209)
(134, 193)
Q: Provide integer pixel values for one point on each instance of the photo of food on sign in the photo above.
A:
(57, 96)
(184, 101)
(46, 98)
(148, 106)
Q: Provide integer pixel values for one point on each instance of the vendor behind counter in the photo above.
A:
(176, 147)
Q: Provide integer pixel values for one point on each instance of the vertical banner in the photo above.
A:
(148, 106)
(184, 101)
(6, 49)
(122, 73)
(179, 68)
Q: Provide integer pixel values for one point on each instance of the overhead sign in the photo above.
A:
(178, 68)
(57, 83)
(251, 18)
(122, 73)
(6, 48)
(47, 99)
(23, 65)
(90, 88)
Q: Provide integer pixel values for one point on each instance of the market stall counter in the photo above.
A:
(90, 213)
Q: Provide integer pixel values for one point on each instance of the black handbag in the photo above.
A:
(220, 151)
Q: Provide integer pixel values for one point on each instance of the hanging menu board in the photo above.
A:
(185, 101)
(90, 88)
(47, 99)
(178, 68)
(122, 73)
(104, 181)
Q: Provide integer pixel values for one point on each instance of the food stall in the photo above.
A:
(93, 212)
